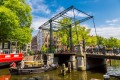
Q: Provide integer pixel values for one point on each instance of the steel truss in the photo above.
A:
(72, 13)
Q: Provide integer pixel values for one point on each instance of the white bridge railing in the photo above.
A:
(8, 51)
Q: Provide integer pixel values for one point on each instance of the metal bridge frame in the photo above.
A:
(62, 14)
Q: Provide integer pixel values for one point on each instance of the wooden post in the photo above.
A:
(69, 67)
(63, 71)
(110, 62)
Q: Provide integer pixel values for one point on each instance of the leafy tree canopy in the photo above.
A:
(15, 21)
(21, 9)
(8, 22)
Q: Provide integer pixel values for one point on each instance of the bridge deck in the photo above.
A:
(105, 56)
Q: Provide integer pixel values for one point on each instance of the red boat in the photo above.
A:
(9, 58)
(8, 52)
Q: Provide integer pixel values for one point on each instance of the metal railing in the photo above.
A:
(8, 51)
(111, 51)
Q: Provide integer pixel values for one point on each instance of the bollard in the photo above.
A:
(63, 71)
(106, 77)
(69, 67)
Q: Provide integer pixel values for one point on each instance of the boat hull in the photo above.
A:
(4, 64)
(16, 71)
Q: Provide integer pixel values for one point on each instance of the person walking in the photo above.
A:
(13, 65)
(22, 64)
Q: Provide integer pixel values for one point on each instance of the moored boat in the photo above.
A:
(32, 70)
(7, 59)
(114, 74)
(18, 71)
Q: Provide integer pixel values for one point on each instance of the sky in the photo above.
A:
(106, 14)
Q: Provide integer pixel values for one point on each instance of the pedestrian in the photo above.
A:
(13, 65)
(22, 64)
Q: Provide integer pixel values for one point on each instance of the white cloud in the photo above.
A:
(77, 14)
(39, 6)
(38, 21)
(60, 9)
(111, 24)
(89, 1)
(112, 21)
(85, 25)
(107, 31)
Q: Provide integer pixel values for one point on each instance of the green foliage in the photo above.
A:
(64, 31)
(15, 21)
(65, 22)
(44, 48)
(91, 41)
(80, 33)
(118, 43)
(111, 42)
(22, 35)
(8, 22)
(21, 9)
(100, 40)
(31, 52)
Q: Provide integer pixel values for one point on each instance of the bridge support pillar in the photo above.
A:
(81, 60)
(50, 58)
(73, 62)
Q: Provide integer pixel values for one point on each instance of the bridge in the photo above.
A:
(104, 56)
(59, 41)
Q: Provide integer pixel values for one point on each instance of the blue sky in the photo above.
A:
(105, 12)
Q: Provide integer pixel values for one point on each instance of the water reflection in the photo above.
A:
(5, 77)
(114, 69)
(55, 75)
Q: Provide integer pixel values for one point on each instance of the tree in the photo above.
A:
(15, 21)
(64, 31)
(79, 33)
(8, 22)
(112, 42)
(82, 33)
(100, 40)
(91, 41)
(21, 9)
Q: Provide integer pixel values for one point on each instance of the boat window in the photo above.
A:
(0, 45)
(6, 45)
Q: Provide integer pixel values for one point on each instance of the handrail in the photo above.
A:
(8, 51)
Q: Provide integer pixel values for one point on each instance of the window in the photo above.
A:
(6, 45)
(0, 45)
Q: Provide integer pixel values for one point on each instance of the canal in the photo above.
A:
(55, 74)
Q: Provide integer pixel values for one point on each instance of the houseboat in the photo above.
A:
(9, 54)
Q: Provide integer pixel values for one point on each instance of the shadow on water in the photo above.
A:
(5, 66)
(55, 75)
(100, 69)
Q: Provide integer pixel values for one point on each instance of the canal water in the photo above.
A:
(55, 74)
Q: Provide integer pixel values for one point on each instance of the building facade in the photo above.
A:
(34, 44)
